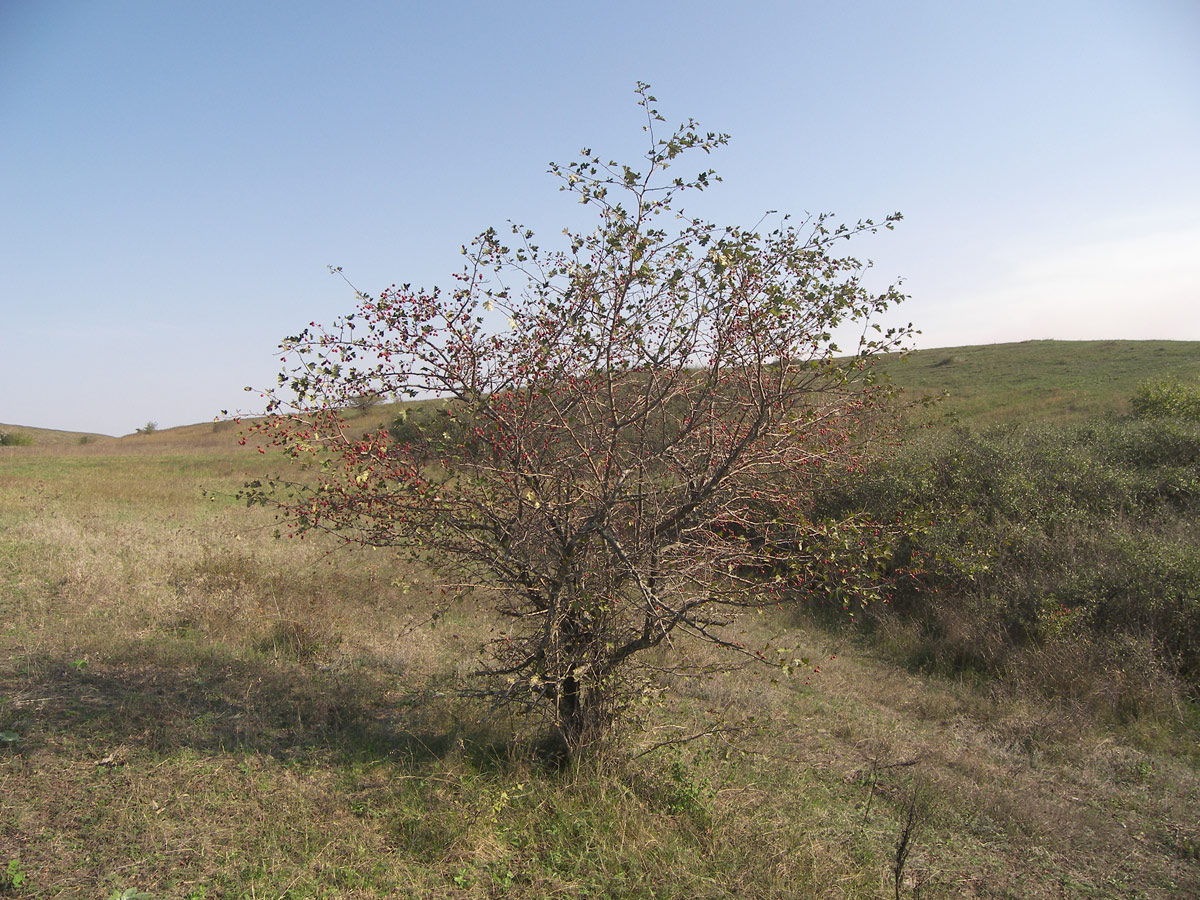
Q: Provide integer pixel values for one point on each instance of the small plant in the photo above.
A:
(130, 894)
(290, 639)
(13, 877)
(687, 792)
(503, 800)
(148, 428)
(85, 439)
(14, 439)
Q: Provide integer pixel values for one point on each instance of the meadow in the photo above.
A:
(192, 708)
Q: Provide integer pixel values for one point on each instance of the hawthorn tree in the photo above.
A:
(630, 426)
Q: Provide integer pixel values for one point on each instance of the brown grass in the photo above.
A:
(200, 710)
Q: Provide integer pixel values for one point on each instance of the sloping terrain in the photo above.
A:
(191, 708)
(1041, 380)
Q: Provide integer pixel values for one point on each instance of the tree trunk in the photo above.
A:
(580, 714)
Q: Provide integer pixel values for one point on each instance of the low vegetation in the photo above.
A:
(1056, 557)
(1167, 399)
(191, 708)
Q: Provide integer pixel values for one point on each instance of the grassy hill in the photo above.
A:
(49, 437)
(194, 709)
(987, 384)
(1042, 380)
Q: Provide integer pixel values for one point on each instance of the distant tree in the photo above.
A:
(633, 425)
(364, 403)
(148, 428)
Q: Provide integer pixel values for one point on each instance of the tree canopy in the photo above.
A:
(630, 428)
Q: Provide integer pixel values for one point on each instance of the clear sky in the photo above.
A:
(175, 176)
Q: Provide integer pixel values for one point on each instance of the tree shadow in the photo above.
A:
(213, 702)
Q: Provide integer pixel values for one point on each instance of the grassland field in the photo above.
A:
(192, 708)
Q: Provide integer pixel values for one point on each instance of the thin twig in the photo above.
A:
(687, 740)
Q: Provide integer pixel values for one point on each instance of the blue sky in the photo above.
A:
(174, 177)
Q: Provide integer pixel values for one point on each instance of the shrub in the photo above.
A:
(1043, 533)
(628, 461)
(431, 430)
(1165, 398)
(15, 439)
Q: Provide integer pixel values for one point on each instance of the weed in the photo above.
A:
(13, 877)
(291, 639)
(878, 768)
(1184, 843)
(689, 792)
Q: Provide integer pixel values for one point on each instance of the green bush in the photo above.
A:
(1167, 398)
(433, 430)
(15, 439)
(1022, 536)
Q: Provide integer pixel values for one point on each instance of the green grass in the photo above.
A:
(1041, 380)
(191, 708)
(48, 437)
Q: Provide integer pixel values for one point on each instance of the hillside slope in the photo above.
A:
(985, 384)
(1048, 380)
(191, 708)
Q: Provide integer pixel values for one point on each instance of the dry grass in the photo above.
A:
(195, 709)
